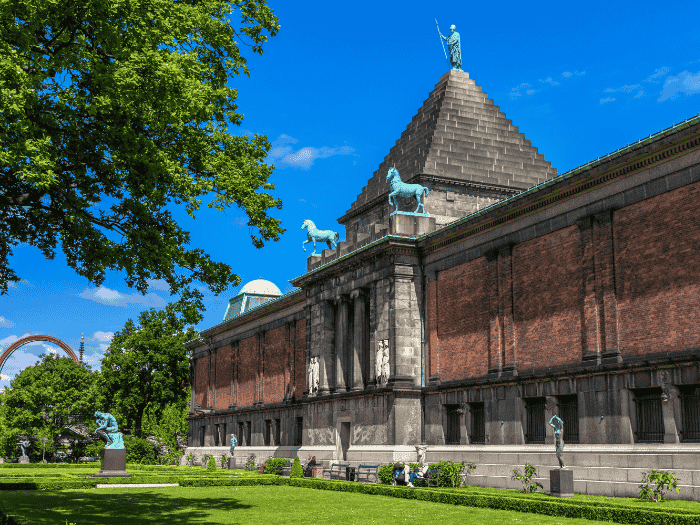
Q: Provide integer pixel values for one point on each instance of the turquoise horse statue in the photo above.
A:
(313, 234)
(401, 189)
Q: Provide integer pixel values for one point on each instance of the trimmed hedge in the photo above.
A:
(547, 507)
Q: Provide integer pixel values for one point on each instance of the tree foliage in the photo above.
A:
(46, 400)
(169, 422)
(112, 109)
(147, 366)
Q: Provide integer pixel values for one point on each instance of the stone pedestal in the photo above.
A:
(232, 463)
(23, 460)
(114, 465)
(561, 483)
(411, 225)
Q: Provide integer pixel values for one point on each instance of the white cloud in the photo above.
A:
(109, 297)
(103, 336)
(6, 323)
(531, 91)
(685, 82)
(661, 72)
(606, 100)
(549, 80)
(580, 73)
(567, 74)
(624, 89)
(283, 155)
(158, 284)
(640, 94)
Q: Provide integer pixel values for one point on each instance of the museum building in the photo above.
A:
(522, 294)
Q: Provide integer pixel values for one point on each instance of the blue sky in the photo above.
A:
(334, 90)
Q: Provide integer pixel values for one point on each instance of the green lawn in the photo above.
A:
(244, 505)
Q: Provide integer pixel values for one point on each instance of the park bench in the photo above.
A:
(432, 478)
(339, 471)
(365, 471)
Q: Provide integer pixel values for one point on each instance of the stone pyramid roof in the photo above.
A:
(458, 136)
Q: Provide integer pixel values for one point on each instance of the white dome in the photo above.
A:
(260, 287)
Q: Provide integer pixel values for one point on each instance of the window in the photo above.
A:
(477, 431)
(300, 431)
(650, 423)
(568, 412)
(268, 429)
(241, 435)
(690, 413)
(534, 409)
(216, 435)
(201, 435)
(248, 441)
(452, 431)
(278, 426)
(224, 436)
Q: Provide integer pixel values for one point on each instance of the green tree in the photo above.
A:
(128, 102)
(166, 424)
(47, 399)
(148, 365)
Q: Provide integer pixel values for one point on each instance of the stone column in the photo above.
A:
(433, 352)
(405, 356)
(549, 411)
(358, 340)
(591, 322)
(327, 344)
(341, 345)
(495, 333)
(463, 421)
(505, 292)
(605, 282)
(372, 350)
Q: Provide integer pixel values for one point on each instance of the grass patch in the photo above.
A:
(229, 505)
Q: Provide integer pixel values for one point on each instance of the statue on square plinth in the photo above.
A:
(233, 443)
(558, 427)
(402, 189)
(107, 431)
(24, 445)
(313, 234)
(454, 46)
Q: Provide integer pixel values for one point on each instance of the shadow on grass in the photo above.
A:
(112, 505)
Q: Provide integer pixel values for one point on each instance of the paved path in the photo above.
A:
(122, 485)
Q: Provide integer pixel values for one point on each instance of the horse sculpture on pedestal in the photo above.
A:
(401, 189)
(313, 234)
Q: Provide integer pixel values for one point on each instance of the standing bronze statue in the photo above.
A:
(454, 46)
(558, 427)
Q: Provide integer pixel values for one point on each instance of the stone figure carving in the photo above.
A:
(313, 375)
(313, 234)
(385, 363)
(420, 451)
(316, 373)
(24, 445)
(558, 427)
(454, 46)
(107, 430)
(401, 189)
(379, 357)
(233, 443)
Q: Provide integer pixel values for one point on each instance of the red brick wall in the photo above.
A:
(201, 381)
(223, 377)
(463, 322)
(547, 300)
(657, 267)
(300, 357)
(247, 371)
(275, 363)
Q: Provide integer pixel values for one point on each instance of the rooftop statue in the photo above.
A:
(108, 431)
(401, 189)
(454, 46)
(313, 234)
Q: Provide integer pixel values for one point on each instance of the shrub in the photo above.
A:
(451, 473)
(211, 462)
(297, 470)
(528, 485)
(139, 450)
(274, 465)
(190, 459)
(223, 461)
(663, 480)
(250, 464)
(384, 473)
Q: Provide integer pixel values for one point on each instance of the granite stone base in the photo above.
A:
(561, 483)
(114, 465)
(232, 463)
(23, 460)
